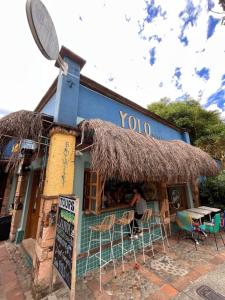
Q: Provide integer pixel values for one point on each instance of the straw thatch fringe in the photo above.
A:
(19, 125)
(62, 131)
(131, 156)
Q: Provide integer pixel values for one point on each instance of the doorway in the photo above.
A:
(34, 207)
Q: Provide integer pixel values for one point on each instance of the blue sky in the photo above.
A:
(144, 50)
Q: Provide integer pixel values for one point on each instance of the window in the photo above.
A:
(93, 189)
(101, 195)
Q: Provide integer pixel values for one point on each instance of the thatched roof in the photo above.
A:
(21, 124)
(127, 155)
(18, 126)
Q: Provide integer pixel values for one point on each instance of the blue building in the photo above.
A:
(73, 99)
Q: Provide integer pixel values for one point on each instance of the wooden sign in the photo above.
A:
(42, 29)
(64, 255)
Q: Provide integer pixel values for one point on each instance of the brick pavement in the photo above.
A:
(14, 282)
(166, 276)
(9, 285)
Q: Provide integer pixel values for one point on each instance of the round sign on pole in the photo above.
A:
(43, 29)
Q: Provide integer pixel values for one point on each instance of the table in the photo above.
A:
(212, 209)
(198, 210)
(194, 215)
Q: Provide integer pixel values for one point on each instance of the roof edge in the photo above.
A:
(47, 96)
(65, 52)
(97, 87)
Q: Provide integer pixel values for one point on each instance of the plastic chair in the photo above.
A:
(145, 224)
(214, 228)
(124, 222)
(105, 226)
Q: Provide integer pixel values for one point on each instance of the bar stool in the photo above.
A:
(146, 221)
(105, 226)
(160, 221)
(124, 221)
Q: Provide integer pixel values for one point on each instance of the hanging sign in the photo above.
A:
(42, 29)
(64, 255)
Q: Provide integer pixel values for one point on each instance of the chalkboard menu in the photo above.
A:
(64, 239)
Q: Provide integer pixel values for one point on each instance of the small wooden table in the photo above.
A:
(212, 209)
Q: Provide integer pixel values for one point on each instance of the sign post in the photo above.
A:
(65, 248)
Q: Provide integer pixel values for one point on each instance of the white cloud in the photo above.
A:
(223, 115)
(213, 107)
(112, 47)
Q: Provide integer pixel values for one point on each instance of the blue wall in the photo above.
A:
(74, 102)
(49, 108)
(94, 105)
(8, 150)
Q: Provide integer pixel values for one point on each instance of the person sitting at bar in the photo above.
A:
(107, 200)
(140, 206)
(119, 194)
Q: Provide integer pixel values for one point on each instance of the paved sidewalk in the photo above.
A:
(178, 274)
(174, 275)
(15, 277)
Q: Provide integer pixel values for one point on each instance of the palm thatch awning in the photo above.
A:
(21, 124)
(130, 156)
(18, 126)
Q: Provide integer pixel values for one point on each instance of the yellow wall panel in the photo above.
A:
(60, 165)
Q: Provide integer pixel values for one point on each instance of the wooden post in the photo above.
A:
(74, 260)
(59, 180)
(164, 205)
(195, 192)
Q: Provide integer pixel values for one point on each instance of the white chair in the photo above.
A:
(104, 227)
(124, 222)
(145, 225)
(159, 221)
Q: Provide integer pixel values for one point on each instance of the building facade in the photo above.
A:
(64, 167)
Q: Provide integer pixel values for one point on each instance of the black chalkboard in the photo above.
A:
(64, 239)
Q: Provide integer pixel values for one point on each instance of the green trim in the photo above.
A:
(80, 163)
(19, 236)
(26, 201)
(12, 190)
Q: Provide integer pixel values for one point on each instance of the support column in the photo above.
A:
(18, 205)
(21, 229)
(189, 195)
(12, 192)
(59, 180)
(4, 209)
(164, 205)
(195, 192)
